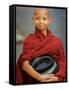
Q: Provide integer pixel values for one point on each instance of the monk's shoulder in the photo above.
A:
(30, 38)
(57, 39)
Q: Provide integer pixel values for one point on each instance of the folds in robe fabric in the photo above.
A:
(35, 45)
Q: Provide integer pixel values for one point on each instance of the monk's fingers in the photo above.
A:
(49, 80)
(55, 78)
(52, 79)
(45, 80)
(49, 75)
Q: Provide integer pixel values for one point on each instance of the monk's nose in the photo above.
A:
(41, 20)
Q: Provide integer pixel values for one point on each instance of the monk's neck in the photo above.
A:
(44, 32)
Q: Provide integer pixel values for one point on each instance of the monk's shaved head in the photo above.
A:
(37, 11)
(41, 18)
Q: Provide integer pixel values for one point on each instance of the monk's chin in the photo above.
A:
(42, 29)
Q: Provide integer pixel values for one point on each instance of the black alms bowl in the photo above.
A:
(43, 64)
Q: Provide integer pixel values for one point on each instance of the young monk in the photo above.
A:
(41, 42)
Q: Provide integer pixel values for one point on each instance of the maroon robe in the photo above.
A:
(37, 44)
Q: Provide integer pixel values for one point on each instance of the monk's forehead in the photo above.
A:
(41, 10)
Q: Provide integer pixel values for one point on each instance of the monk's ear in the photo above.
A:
(33, 19)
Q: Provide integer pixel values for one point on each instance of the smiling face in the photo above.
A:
(41, 18)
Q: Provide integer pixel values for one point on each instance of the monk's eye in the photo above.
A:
(37, 18)
(44, 18)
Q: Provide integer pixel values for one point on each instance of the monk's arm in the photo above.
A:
(26, 67)
(30, 71)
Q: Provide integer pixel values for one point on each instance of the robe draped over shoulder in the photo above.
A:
(35, 45)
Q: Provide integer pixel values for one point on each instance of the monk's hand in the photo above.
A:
(52, 79)
(47, 78)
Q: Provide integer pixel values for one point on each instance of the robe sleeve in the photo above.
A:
(61, 74)
(26, 54)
